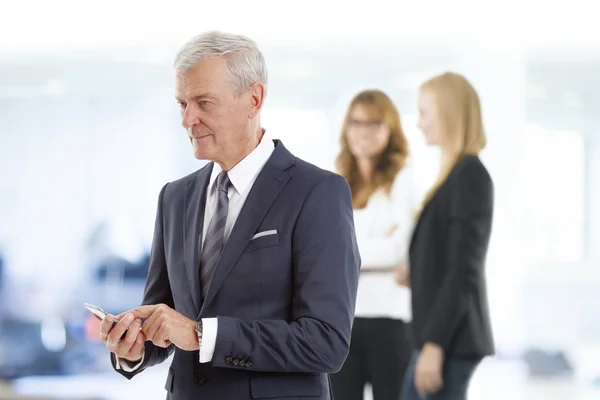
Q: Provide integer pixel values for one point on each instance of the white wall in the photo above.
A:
(593, 198)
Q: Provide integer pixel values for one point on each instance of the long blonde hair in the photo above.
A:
(390, 162)
(459, 110)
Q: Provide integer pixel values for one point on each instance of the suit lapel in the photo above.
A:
(427, 208)
(193, 221)
(269, 183)
(418, 224)
(439, 192)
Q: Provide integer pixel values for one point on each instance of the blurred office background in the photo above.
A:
(90, 131)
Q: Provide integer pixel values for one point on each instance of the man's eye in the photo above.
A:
(203, 102)
(181, 104)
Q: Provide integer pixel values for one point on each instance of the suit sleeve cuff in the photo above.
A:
(127, 366)
(210, 327)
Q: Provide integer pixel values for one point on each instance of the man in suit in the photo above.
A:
(254, 265)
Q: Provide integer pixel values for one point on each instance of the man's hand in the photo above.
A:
(164, 326)
(402, 275)
(428, 372)
(131, 347)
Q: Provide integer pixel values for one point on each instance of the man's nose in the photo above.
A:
(189, 118)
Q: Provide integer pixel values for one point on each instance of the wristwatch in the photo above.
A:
(199, 332)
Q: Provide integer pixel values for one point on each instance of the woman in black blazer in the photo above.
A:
(451, 324)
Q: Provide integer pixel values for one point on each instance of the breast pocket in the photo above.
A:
(263, 239)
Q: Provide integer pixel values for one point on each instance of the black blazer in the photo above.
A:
(447, 262)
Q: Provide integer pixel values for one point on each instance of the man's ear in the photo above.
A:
(257, 98)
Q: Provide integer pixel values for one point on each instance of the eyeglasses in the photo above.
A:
(372, 124)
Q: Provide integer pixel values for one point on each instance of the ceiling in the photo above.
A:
(564, 89)
(39, 25)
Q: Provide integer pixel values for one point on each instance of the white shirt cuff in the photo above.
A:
(127, 366)
(210, 326)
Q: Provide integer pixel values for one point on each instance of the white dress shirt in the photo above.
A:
(379, 296)
(242, 177)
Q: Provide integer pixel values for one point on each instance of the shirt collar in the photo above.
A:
(244, 172)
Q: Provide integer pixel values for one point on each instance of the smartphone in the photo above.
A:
(97, 311)
(100, 313)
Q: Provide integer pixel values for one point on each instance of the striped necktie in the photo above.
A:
(215, 236)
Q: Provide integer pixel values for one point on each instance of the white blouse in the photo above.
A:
(378, 293)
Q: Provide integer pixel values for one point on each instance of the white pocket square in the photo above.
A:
(264, 233)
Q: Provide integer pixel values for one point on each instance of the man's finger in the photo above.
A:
(106, 326)
(131, 336)
(114, 338)
(161, 338)
(143, 311)
(137, 348)
(151, 325)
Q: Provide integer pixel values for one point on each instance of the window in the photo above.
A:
(305, 133)
(553, 192)
(425, 158)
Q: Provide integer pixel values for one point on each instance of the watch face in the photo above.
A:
(199, 326)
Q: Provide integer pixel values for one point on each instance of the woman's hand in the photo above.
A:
(402, 275)
(428, 372)
(392, 229)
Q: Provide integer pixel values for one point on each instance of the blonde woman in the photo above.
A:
(451, 323)
(374, 159)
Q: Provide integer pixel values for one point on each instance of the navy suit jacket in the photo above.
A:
(284, 302)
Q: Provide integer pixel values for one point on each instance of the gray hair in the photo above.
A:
(245, 62)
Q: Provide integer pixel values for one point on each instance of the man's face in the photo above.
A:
(216, 121)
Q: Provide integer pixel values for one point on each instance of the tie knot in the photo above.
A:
(223, 182)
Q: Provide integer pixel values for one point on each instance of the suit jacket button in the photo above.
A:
(248, 364)
(236, 361)
(228, 360)
(200, 379)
